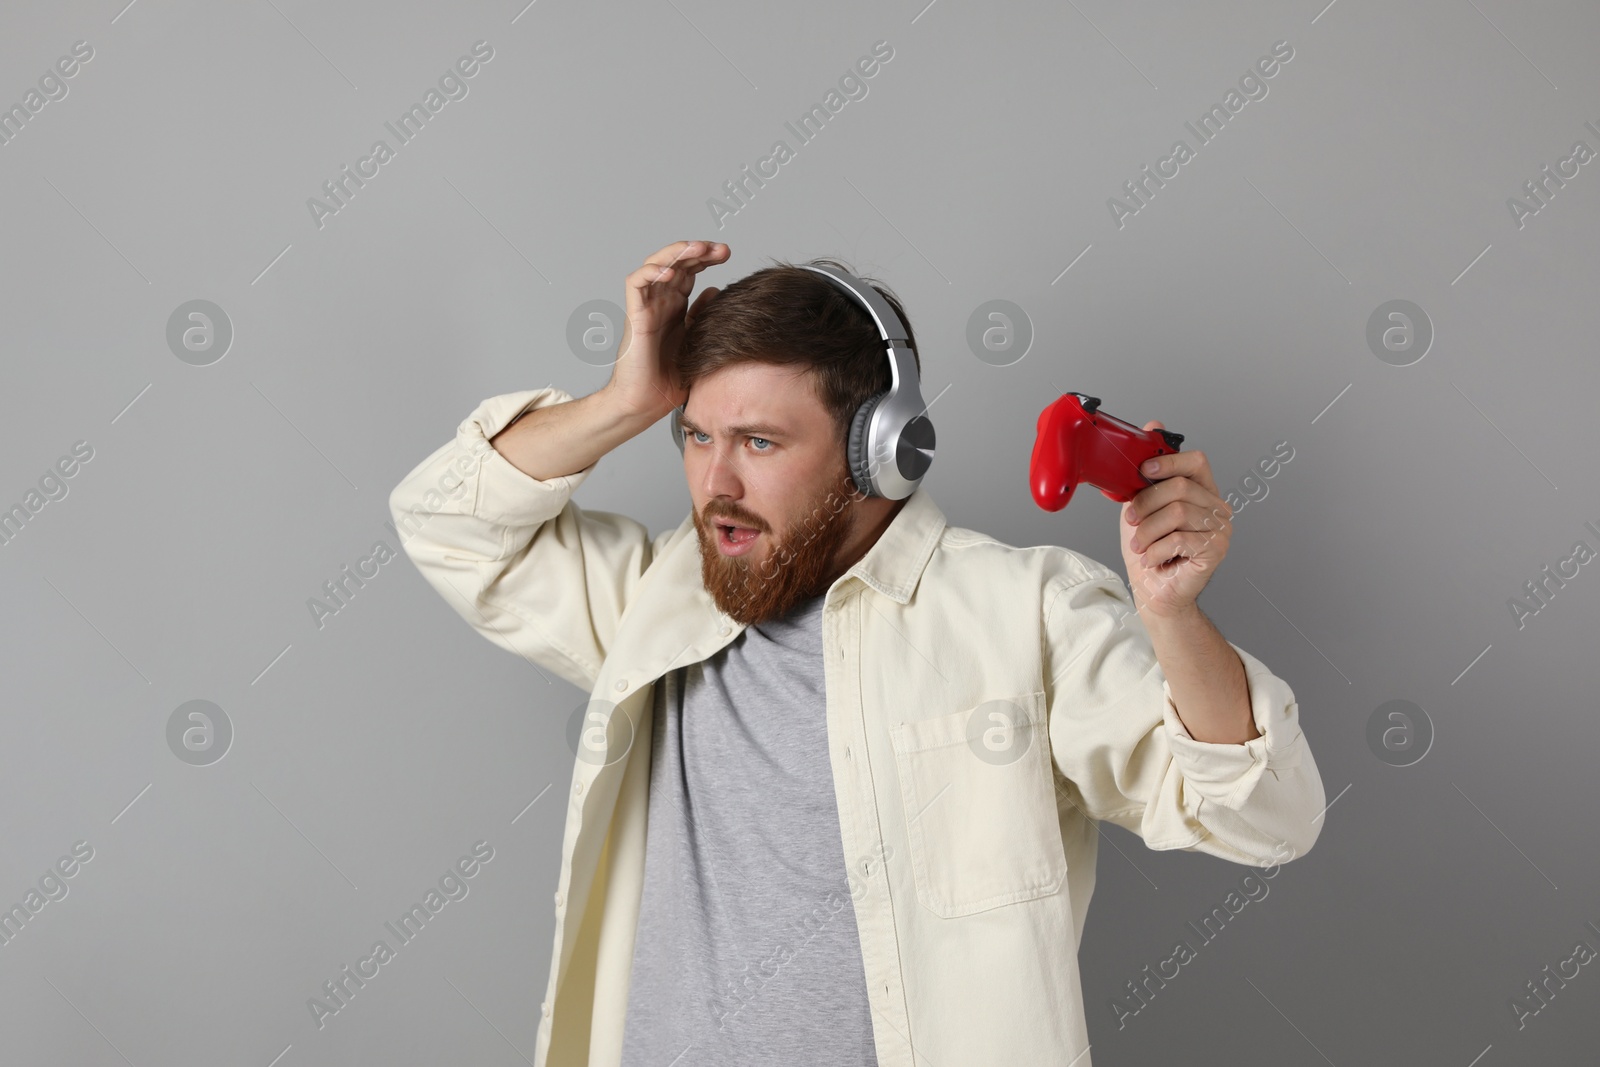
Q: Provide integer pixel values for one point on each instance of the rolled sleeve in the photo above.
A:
(514, 555)
(505, 494)
(1126, 756)
(1227, 774)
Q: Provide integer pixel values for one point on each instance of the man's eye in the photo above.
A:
(762, 439)
(697, 435)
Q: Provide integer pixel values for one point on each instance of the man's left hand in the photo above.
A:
(1174, 533)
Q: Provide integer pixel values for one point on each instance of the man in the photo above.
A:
(842, 808)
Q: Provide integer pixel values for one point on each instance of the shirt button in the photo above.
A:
(847, 752)
(577, 789)
(545, 1008)
(560, 899)
(725, 630)
(622, 683)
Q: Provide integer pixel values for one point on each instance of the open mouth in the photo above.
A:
(734, 539)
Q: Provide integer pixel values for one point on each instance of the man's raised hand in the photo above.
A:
(645, 377)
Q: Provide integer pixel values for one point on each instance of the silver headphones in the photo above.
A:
(891, 439)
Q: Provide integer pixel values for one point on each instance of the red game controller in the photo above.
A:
(1077, 443)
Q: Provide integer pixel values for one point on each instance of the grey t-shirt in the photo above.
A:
(746, 953)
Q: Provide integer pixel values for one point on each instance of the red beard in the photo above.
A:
(789, 571)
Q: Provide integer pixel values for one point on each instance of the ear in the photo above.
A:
(705, 297)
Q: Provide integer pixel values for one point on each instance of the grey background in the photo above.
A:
(369, 754)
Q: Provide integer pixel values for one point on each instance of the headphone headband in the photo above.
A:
(890, 328)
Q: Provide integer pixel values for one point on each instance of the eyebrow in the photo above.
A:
(745, 430)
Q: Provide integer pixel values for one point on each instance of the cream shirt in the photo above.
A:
(985, 704)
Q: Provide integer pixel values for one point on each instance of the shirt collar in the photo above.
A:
(895, 562)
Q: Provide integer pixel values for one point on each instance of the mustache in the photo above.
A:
(733, 515)
(714, 510)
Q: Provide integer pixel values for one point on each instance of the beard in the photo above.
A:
(791, 570)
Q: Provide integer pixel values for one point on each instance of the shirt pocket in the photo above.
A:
(979, 794)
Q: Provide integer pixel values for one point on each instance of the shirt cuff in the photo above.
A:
(1226, 774)
(504, 493)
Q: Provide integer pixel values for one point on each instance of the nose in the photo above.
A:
(720, 476)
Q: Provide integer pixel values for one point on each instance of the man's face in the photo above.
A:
(762, 454)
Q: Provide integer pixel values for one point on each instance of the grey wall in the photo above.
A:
(370, 751)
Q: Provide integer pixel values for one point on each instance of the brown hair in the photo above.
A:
(788, 316)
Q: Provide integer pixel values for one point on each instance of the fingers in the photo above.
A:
(1176, 489)
(1192, 465)
(673, 268)
(649, 275)
(1180, 544)
(1205, 523)
(687, 257)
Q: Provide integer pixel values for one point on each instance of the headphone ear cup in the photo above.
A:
(857, 454)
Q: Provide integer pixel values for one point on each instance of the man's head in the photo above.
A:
(776, 366)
